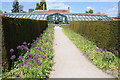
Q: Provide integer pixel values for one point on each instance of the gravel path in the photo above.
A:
(70, 62)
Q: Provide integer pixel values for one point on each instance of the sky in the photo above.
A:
(109, 7)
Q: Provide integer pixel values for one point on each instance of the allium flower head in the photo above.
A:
(38, 67)
(47, 40)
(43, 57)
(35, 57)
(28, 44)
(13, 57)
(11, 50)
(20, 57)
(26, 48)
(19, 47)
(29, 54)
(24, 42)
(20, 65)
(29, 65)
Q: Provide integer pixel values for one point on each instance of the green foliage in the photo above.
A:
(21, 8)
(103, 33)
(64, 25)
(18, 30)
(41, 6)
(101, 58)
(43, 46)
(31, 10)
(16, 7)
(90, 11)
(37, 6)
(1, 12)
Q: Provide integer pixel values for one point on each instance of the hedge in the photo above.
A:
(106, 34)
(16, 31)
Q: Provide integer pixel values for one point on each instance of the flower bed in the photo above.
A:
(37, 61)
(103, 59)
(17, 30)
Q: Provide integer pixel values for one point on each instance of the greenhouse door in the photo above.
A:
(57, 18)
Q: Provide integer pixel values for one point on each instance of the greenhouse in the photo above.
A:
(56, 16)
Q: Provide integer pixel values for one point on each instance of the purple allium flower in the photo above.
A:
(29, 54)
(11, 50)
(20, 57)
(26, 61)
(101, 51)
(49, 59)
(40, 53)
(20, 65)
(47, 40)
(108, 53)
(13, 57)
(22, 46)
(38, 48)
(97, 50)
(30, 65)
(35, 57)
(39, 63)
(26, 48)
(30, 59)
(28, 44)
(24, 42)
(43, 57)
(19, 47)
(105, 50)
(44, 53)
(38, 67)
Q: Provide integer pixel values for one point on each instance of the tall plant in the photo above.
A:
(16, 7)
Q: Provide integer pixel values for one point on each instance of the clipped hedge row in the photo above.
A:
(19, 30)
(106, 34)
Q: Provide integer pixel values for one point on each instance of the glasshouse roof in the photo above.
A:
(59, 15)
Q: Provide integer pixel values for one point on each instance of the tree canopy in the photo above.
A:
(90, 11)
(41, 6)
(16, 7)
(30, 10)
(1, 12)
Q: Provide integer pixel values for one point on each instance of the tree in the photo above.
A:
(37, 6)
(16, 7)
(90, 11)
(5, 12)
(1, 12)
(41, 6)
(30, 10)
(21, 8)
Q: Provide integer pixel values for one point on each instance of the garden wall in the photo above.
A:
(16, 31)
(106, 34)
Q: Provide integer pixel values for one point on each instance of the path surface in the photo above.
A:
(70, 62)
